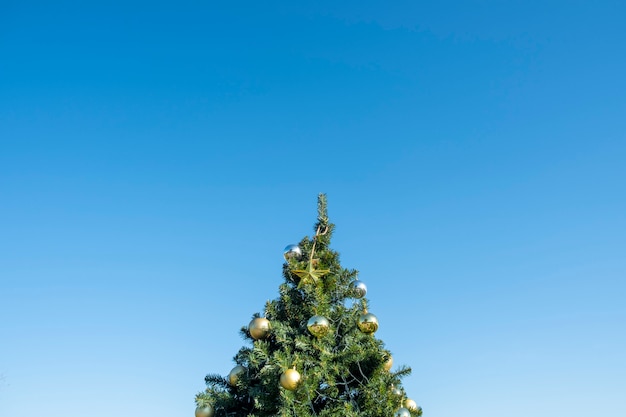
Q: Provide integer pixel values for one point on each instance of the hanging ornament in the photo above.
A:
(388, 363)
(310, 274)
(359, 289)
(318, 326)
(292, 251)
(205, 411)
(410, 404)
(402, 412)
(290, 379)
(259, 328)
(396, 390)
(235, 373)
(368, 323)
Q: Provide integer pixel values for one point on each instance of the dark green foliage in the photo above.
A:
(342, 372)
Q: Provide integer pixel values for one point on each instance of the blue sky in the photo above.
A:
(155, 159)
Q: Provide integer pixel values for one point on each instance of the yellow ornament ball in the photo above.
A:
(290, 379)
(318, 326)
(368, 323)
(259, 328)
(388, 364)
(235, 373)
(205, 411)
(410, 404)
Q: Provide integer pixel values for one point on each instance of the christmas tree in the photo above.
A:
(313, 351)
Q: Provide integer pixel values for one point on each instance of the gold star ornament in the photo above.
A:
(310, 274)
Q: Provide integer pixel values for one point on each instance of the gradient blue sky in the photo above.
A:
(155, 159)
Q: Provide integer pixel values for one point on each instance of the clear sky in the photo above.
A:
(156, 158)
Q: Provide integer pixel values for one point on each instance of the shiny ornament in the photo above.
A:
(205, 411)
(292, 252)
(396, 391)
(402, 412)
(368, 323)
(318, 326)
(359, 289)
(259, 328)
(235, 373)
(388, 363)
(290, 379)
(410, 404)
(310, 274)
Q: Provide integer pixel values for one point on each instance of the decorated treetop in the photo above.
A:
(313, 351)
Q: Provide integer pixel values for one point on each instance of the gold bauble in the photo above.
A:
(402, 412)
(410, 404)
(205, 411)
(290, 379)
(235, 373)
(259, 328)
(368, 323)
(318, 326)
(388, 363)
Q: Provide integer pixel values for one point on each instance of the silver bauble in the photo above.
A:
(410, 404)
(402, 412)
(396, 391)
(259, 328)
(292, 251)
(368, 323)
(318, 326)
(359, 289)
(205, 411)
(235, 373)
